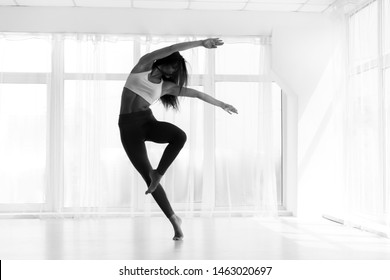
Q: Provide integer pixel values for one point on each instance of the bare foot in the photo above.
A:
(176, 223)
(155, 177)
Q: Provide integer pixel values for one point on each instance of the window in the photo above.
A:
(64, 136)
(25, 63)
(27, 54)
(368, 111)
(23, 111)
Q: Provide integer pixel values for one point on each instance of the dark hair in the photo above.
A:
(179, 77)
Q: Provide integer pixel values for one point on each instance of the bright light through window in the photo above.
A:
(23, 113)
(94, 56)
(238, 59)
(91, 141)
(25, 54)
(364, 35)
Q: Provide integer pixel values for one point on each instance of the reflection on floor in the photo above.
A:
(143, 238)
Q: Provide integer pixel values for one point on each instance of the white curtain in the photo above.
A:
(229, 164)
(23, 120)
(367, 126)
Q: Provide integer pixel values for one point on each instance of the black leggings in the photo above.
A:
(135, 129)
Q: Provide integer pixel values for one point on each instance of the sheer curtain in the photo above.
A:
(367, 189)
(228, 164)
(23, 120)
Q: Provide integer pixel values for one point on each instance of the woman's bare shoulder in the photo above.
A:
(139, 68)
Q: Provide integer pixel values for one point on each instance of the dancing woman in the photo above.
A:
(161, 74)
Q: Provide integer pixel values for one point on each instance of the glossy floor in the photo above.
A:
(205, 239)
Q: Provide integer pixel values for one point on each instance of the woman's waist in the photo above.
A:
(132, 102)
(137, 117)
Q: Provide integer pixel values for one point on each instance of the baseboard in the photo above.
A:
(70, 215)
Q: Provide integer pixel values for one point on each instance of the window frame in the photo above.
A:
(55, 118)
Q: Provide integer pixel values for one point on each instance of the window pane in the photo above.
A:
(363, 32)
(240, 143)
(95, 56)
(23, 54)
(22, 143)
(245, 97)
(94, 157)
(365, 135)
(237, 148)
(196, 60)
(238, 58)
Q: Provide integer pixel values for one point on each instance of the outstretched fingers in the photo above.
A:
(230, 109)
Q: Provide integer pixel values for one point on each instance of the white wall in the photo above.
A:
(320, 132)
(303, 49)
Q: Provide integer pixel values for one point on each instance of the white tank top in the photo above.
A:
(140, 84)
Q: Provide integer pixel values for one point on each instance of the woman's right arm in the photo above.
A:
(147, 60)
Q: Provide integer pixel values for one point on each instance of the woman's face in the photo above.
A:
(169, 69)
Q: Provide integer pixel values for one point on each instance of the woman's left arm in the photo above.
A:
(189, 92)
(209, 99)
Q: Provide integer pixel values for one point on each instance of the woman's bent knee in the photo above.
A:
(181, 138)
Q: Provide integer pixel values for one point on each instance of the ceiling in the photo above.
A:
(316, 6)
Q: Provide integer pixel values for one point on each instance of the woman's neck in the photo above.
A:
(156, 74)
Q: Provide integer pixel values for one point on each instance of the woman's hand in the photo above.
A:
(229, 108)
(212, 43)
